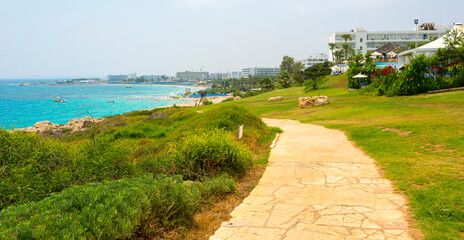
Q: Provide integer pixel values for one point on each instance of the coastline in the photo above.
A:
(43, 109)
(77, 124)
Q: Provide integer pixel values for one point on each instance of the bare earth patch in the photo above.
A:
(401, 133)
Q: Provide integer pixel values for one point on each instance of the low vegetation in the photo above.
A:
(126, 173)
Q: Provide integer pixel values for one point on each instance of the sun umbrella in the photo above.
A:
(376, 54)
(360, 76)
(392, 54)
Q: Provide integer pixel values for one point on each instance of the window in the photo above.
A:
(360, 39)
(361, 48)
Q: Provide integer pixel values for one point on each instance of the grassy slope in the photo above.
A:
(418, 141)
(129, 146)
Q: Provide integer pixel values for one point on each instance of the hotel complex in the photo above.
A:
(191, 75)
(315, 59)
(366, 41)
(260, 71)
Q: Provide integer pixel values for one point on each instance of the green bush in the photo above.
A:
(102, 211)
(217, 186)
(205, 101)
(140, 130)
(30, 167)
(228, 118)
(209, 154)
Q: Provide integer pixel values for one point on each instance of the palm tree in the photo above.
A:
(332, 47)
(347, 37)
(284, 78)
(347, 47)
(298, 67)
(338, 54)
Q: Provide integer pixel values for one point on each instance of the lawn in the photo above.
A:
(418, 142)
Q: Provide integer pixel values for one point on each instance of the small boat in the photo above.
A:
(128, 86)
(58, 99)
(110, 102)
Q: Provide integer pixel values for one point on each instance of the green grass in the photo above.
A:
(425, 159)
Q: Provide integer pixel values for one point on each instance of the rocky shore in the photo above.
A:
(72, 126)
(84, 123)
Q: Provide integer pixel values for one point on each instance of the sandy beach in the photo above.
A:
(214, 100)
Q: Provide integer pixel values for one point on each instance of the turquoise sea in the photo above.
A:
(23, 106)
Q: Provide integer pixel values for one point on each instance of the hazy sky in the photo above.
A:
(79, 38)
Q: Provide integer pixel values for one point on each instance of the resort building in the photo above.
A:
(260, 71)
(116, 78)
(315, 59)
(236, 75)
(367, 41)
(218, 76)
(191, 75)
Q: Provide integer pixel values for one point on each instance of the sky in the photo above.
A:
(94, 38)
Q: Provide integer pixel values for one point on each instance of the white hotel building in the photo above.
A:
(365, 41)
(315, 59)
(260, 71)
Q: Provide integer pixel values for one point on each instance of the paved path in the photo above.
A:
(318, 186)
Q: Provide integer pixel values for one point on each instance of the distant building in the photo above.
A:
(315, 59)
(236, 75)
(116, 78)
(132, 76)
(369, 41)
(191, 75)
(217, 76)
(260, 71)
(151, 78)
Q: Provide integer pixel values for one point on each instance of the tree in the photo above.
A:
(284, 78)
(454, 39)
(346, 46)
(298, 67)
(266, 83)
(347, 37)
(298, 78)
(338, 55)
(347, 49)
(332, 47)
(287, 64)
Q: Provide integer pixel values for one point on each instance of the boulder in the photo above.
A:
(237, 98)
(158, 116)
(315, 101)
(81, 124)
(275, 99)
(42, 126)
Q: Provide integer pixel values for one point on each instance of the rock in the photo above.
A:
(42, 127)
(72, 125)
(237, 98)
(275, 99)
(315, 101)
(158, 116)
(80, 124)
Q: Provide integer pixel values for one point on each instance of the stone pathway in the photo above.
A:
(317, 185)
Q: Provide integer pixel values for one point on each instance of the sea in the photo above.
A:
(23, 106)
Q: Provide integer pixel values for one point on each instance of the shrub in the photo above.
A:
(30, 167)
(140, 130)
(229, 118)
(206, 102)
(229, 99)
(209, 154)
(217, 186)
(103, 211)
